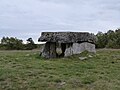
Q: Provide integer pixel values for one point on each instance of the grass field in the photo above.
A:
(25, 70)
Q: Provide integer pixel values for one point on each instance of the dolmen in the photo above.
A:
(62, 44)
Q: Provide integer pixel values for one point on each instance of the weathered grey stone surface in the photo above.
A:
(59, 51)
(49, 50)
(77, 48)
(46, 51)
(80, 47)
(69, 51)
(60, 44)
(67, 37)
(52, 50)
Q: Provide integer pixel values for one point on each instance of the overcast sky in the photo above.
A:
(27, 18)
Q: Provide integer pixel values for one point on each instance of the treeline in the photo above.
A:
(12, 43)
(111, 39)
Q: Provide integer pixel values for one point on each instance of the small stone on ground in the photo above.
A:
(82, 58)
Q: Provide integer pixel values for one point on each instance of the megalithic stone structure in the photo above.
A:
(60, 44)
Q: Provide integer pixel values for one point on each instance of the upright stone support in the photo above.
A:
(80, 47)
(69, 50)
(46, 50)
(49, 50)
(77, 48)
(52, 50)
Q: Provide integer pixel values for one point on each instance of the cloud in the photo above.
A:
(26, 18)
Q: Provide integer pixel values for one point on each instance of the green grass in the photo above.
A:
(25, 70)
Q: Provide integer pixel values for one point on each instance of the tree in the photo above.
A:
(30, 44)
(111, 39)
(11, 43)
(101, 40)
(117, 34)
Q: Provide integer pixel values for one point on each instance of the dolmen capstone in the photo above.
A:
(61, 44)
